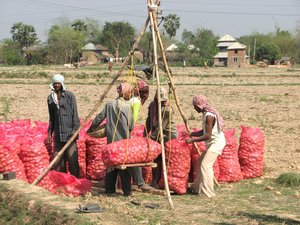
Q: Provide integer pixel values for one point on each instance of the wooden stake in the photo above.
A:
(98, 105)
(173, 86)
(154, 32)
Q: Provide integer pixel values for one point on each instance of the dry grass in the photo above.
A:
(267, 98)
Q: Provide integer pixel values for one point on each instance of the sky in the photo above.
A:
(234, 17)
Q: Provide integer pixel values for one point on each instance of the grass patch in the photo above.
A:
(81, 76)
(43, 74)
(85, 98)
(244, 202)
(264, 98)
(102, 75)
(289, 179)
(192, 116)
(5, 101)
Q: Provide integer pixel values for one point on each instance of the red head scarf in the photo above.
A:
(201, 102)
(141, 90)
(124, 90)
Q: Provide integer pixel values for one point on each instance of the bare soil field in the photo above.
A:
(267, 98)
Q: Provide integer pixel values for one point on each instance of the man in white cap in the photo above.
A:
(63, 122)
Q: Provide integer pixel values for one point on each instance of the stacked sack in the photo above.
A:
(95, 170)
(230, 170)
(251, 152)
(178, 162)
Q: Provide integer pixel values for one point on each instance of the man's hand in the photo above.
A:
(190, 140)
(186, 134)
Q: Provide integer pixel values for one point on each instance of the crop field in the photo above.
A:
(267, 98)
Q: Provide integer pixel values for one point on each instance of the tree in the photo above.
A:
(171, 24)
(10, 53)
(118, 37)
(297, 40)
(205, 45)
(65, 43)
(285, 42)
(187, 36)
(268, 51)
(36, 55)
(254, 41)
(94, 30)
(24, 34)
(145, 46)
(79, 25)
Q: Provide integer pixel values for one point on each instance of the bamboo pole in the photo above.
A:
(154, 31)
(173, 86)
(97, 105)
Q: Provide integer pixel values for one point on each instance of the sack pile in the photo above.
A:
(178, 162)
(251, 152)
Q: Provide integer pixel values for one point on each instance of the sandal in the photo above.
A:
(92, 208)
(191, 191)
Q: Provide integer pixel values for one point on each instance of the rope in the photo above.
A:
(170, 135)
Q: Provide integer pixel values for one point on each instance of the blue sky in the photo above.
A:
(234, 17)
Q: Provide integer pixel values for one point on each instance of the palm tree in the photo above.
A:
(79, 25)
(171, 24)
(24, 34)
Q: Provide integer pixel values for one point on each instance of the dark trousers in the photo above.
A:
(137, 175)
(111, 181)
(70, 155)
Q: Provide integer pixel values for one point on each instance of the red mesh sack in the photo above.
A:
(178, 162)
(95, 170)
(128, 151)
(251, 152)
(35, 157)
(9, 161)
(138, 131)
(230, 170)
(67, 184)
(181, 129)
(82, 157)
(147, 174)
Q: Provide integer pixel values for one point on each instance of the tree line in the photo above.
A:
(66, 38)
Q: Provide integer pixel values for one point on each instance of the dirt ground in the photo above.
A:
(267, 98)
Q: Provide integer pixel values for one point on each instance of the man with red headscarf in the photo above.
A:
(152, 127)
(212, 134)
(140, 95)
(119, 123)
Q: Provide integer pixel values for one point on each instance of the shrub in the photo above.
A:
(289, 179)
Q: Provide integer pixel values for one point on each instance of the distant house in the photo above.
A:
(285, 60)
(231, 53)
(174, 55)
(94, 53)
(173, 47)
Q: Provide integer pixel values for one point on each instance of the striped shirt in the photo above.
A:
(63, 122)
